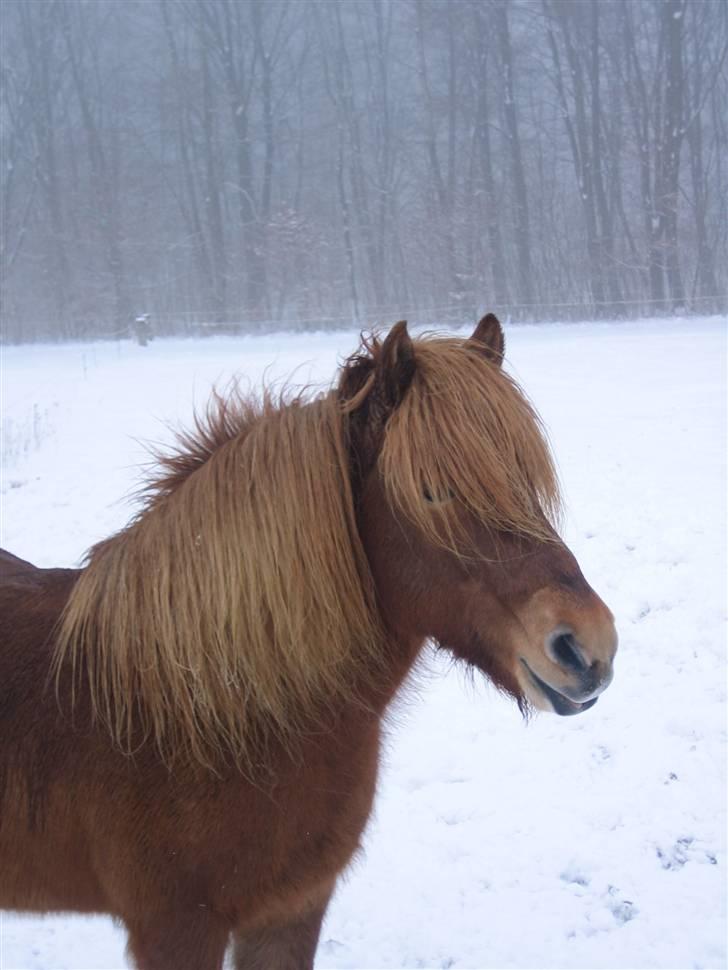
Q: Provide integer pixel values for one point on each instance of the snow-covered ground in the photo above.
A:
(594, 841)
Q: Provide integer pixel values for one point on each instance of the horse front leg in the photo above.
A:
(288, 946)
(179, 941)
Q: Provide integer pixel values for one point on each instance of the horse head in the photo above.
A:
(456, 502)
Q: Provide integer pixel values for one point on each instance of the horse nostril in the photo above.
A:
(566, 652)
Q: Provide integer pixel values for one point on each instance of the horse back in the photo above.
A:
(16, 572)
(31, 602)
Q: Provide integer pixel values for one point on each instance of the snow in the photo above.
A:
(585, 842)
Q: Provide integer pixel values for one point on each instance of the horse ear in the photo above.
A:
(372, 386)
(395, 366)
(488, 338)
(380, 372)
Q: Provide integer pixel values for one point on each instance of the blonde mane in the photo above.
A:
(465, 430)
(239, 599)
(239, 602)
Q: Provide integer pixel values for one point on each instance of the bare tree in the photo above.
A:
(521, 228)
(240, 163)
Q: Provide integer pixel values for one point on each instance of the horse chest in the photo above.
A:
(287, 845)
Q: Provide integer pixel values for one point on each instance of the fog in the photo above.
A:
(247, 166)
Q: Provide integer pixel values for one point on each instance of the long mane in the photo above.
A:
(239, 601)
(465, 430)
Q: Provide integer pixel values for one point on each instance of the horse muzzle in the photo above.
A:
(560, 702)
(577, 675)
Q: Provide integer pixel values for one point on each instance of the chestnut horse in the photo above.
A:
(190, 724)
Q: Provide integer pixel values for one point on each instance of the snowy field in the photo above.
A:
(594, 841)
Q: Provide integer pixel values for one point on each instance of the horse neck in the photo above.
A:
(378, 691)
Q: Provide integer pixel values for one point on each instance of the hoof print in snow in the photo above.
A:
(574, 876)
(684, 850)
(670, 778)
(600, 754)
(624, 911)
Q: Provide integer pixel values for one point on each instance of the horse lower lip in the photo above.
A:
(562, 705)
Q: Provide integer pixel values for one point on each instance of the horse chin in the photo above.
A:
(547, 698)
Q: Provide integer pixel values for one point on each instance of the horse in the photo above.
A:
(190, 724)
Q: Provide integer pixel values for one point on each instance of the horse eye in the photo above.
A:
(434, 499)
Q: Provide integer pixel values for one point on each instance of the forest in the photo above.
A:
(253, 165)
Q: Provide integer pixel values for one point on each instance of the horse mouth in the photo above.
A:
(562, 705)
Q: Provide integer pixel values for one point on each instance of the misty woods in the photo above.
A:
(217, 163)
